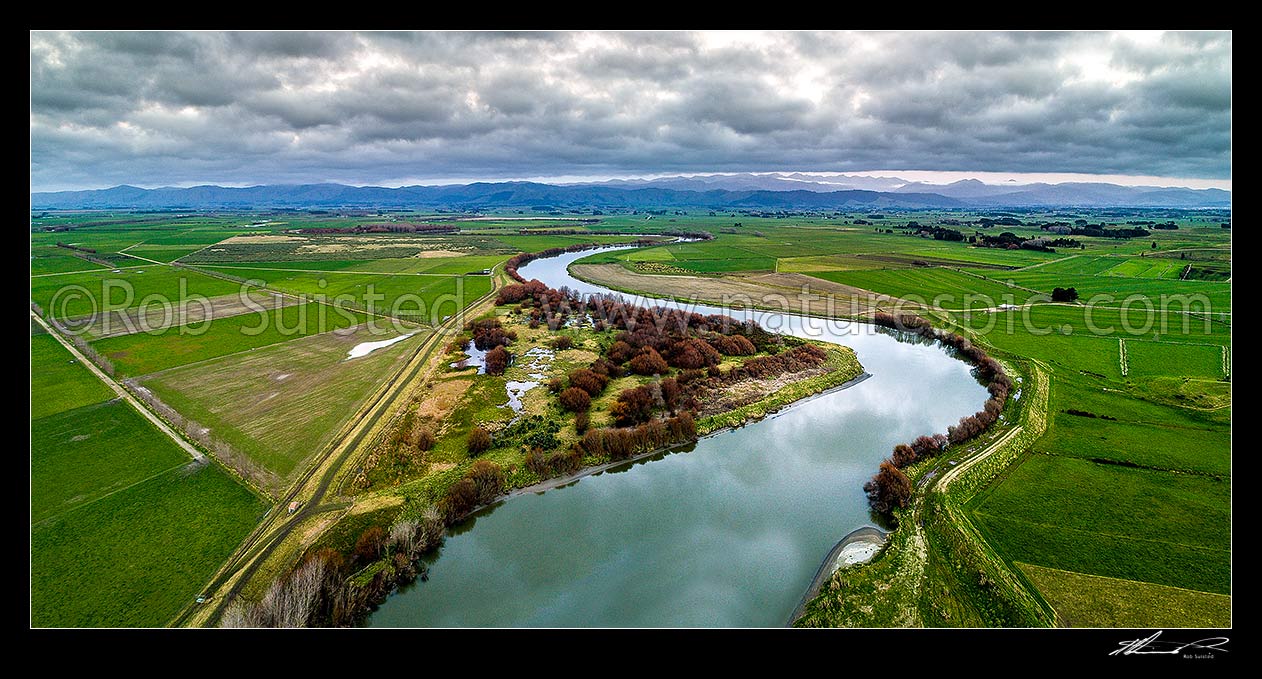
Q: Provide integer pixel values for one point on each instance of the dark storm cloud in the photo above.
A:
(169, 108)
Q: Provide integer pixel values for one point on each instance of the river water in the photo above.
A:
(728, 532)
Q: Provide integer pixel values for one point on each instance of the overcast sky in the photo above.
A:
(154, 109)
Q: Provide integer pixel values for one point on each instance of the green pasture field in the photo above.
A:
(100, 287)
(142, 353)
(282, 403)
(1148, 267)
(83, 454)
(1146, 444)
(422, 298)
(925, 284)
(135, 558)
(48, 260)
(1110, 520)
(1082, 600)
(58, 381)
(1181, 359)
(1217, 295)
(448, 266)
(1024, 327)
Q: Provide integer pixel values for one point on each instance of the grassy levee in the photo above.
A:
(936, 569)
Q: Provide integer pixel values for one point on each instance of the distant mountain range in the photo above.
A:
(737, 191)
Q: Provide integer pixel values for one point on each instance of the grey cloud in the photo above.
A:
(162, 108)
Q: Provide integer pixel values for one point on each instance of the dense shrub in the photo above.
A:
(733, 345)
(589, 381)
(903, 455)
(497, 360)
(424, 439)
(890, 488)
(648, 362)
(633, 406)
(368, 546)
(460, 499)
(488, 480)
(692, 353)
(479, 441)
(575, 400)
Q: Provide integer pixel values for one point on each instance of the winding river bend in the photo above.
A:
(726, 533)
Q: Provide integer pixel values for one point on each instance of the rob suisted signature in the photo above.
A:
(1152, 646)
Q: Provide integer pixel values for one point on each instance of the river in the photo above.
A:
(728, 532)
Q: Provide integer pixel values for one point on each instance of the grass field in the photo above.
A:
(422, 298)
(83, 454)
(134, 558)
(122, 290)
(941, 287)
(58, 381)
(282, 403)
(1185, 360)
(1120, 522)
(143, 353)
(449, 266)
(52, 259)
(1084, 600)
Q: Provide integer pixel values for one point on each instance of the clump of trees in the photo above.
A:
(589, 380)
(424, 439)
(479, 486)
(1064, 295)
(489, 333)
(622, 443)
(318, 592)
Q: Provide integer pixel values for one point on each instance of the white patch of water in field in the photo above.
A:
(365, 348)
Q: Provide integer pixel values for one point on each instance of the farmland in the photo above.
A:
(1126, 494)
(124, 529)
(421, 298)
(142, 353)
(281, 403)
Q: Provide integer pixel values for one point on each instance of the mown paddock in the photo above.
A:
(282, 403)
(82, 454)
(425, 299)
(1183, 359)
(1111, 520)
(52, 259)
(136, 557)
(1201, 295)
(122, 534)
(95, 289)
(952, 289)
(1083, 600)
(143, 353)
(449, 266)
(154, 318)
(58, 381)
(1109, 517)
